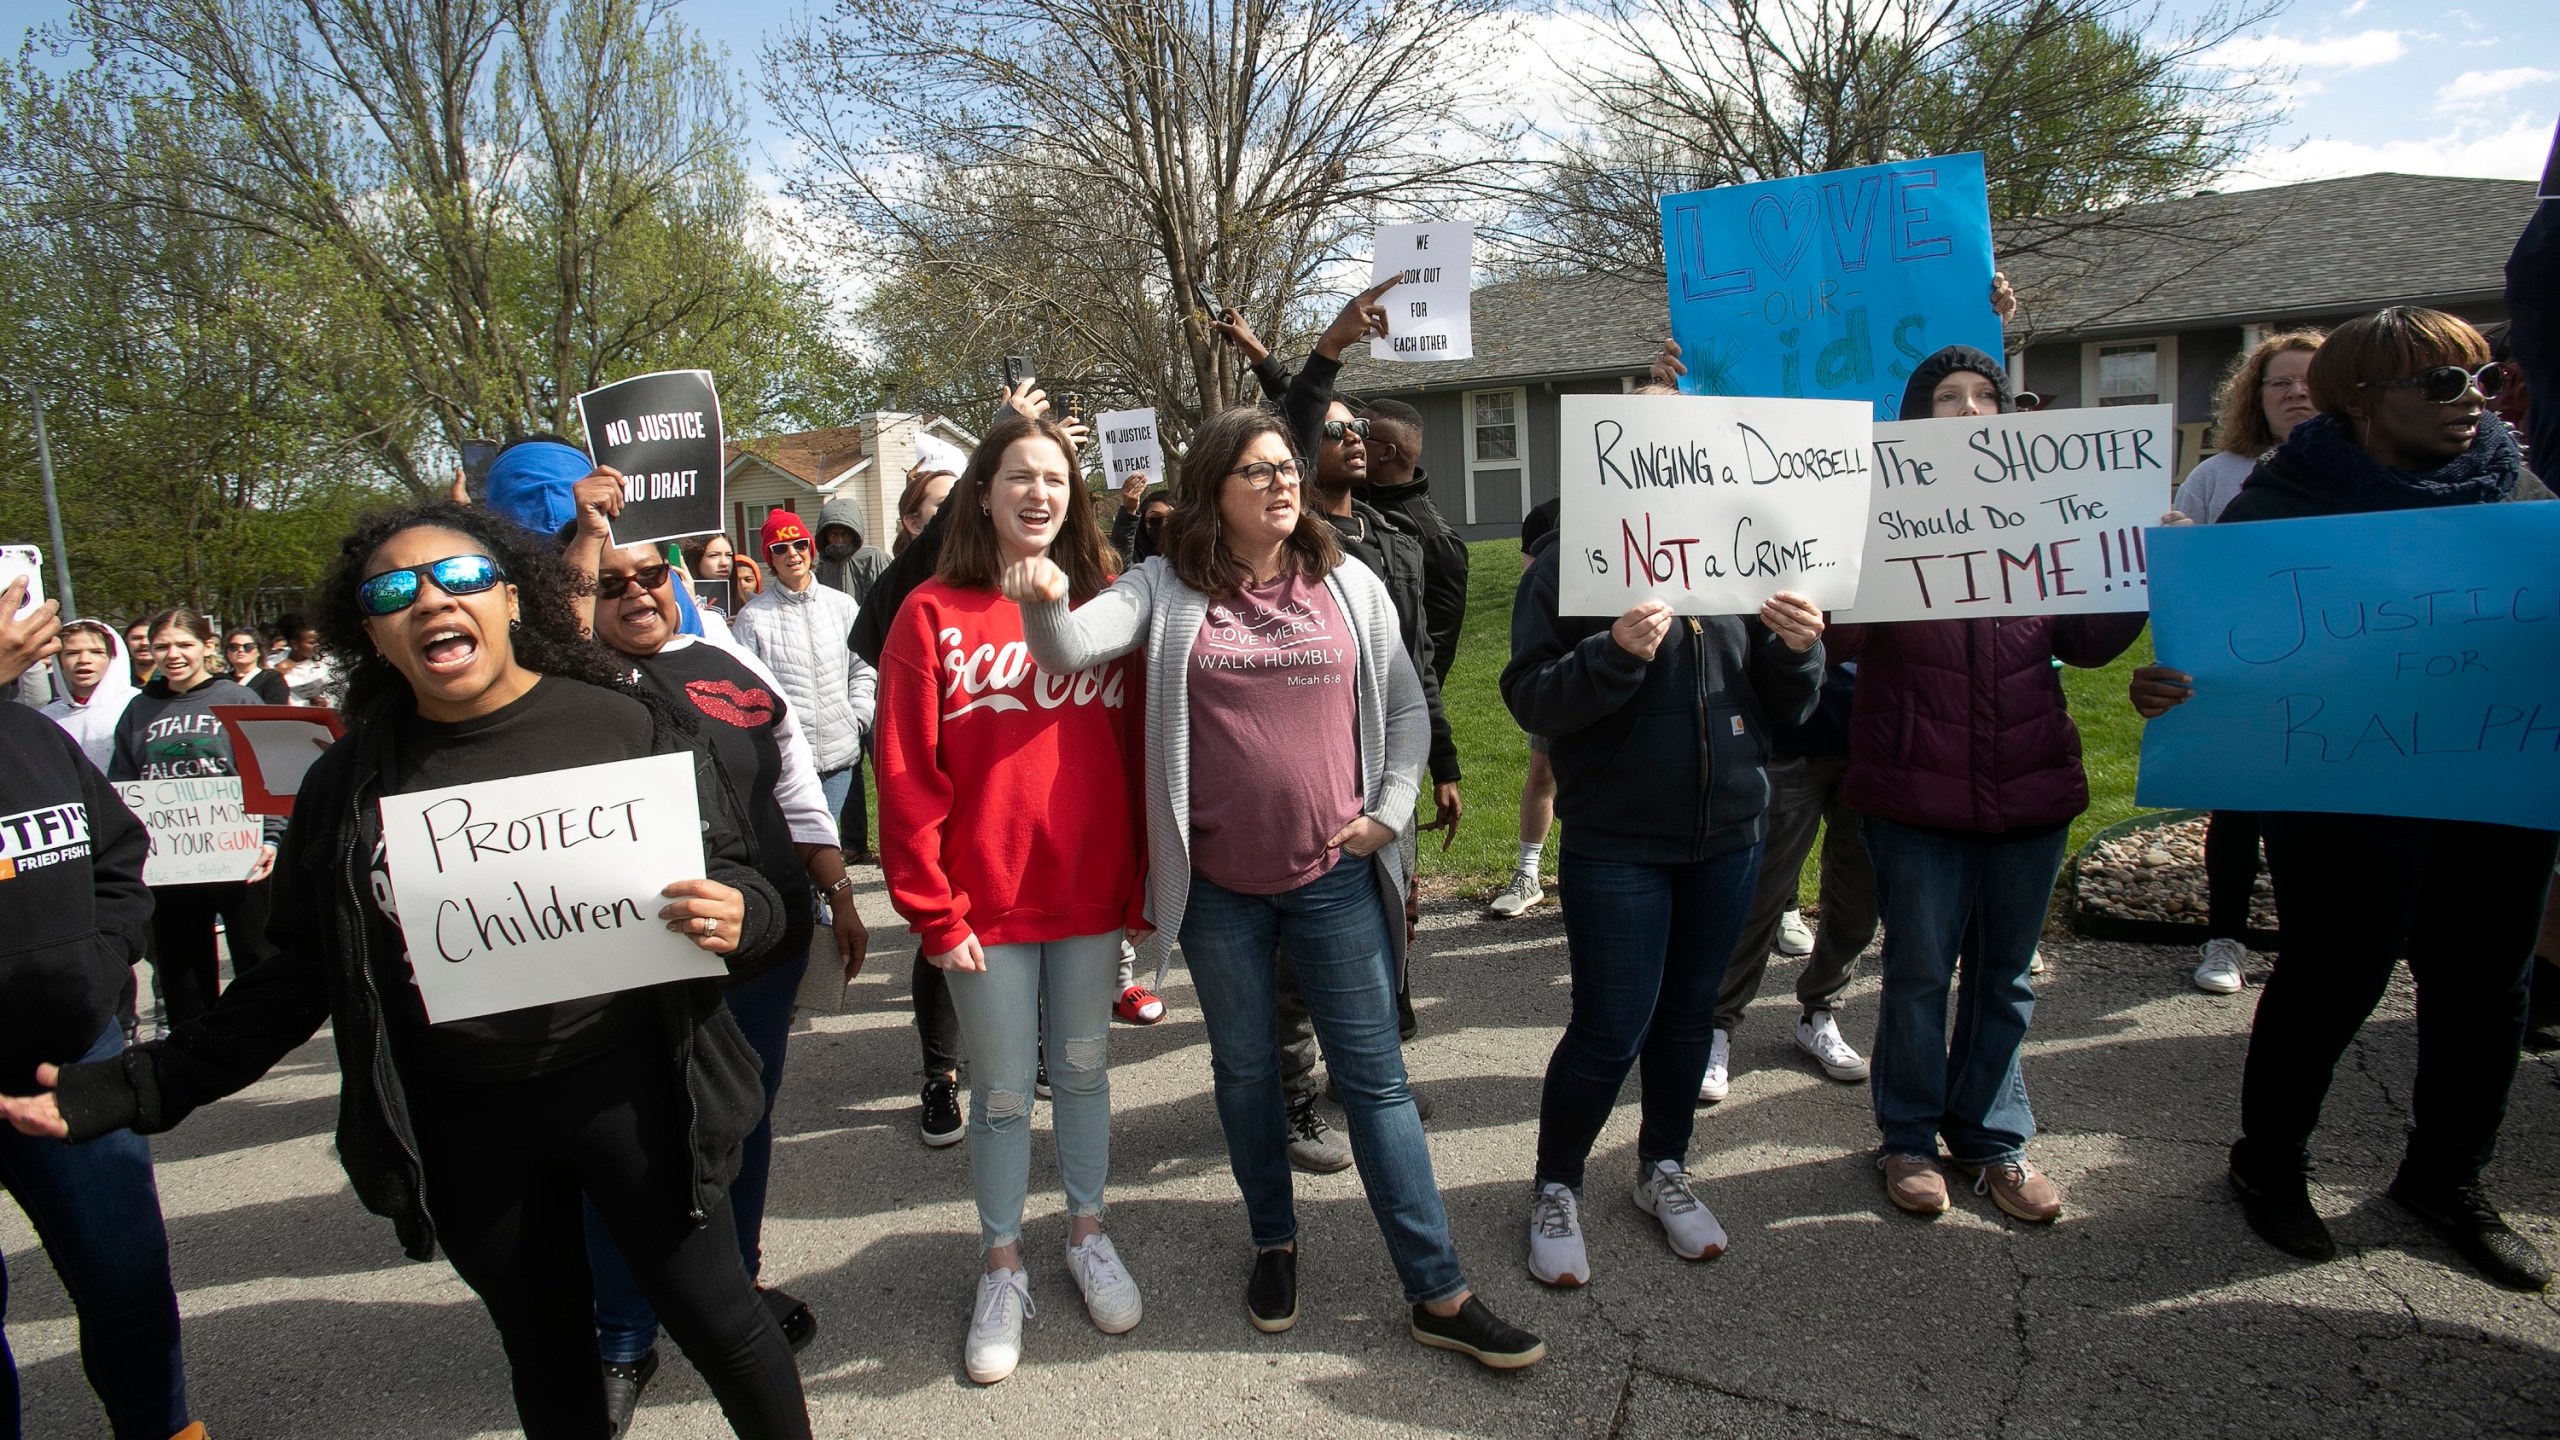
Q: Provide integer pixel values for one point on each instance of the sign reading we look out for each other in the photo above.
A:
(1988, 515)
(1427, 313)
(545, 887)
(2405, 663)
(1708, 504)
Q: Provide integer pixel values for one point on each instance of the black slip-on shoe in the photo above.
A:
(1271, 1294)
(2463, 1215)
(624, 1380)
(2278, 1207)
(799, 1323)
(1475, 1330)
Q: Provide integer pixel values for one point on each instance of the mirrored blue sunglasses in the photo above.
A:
(393, 591)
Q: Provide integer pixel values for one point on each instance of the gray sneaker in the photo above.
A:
(1313, 1145)
(1516, 900)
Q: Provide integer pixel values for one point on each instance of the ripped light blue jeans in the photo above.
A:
(1002, 1020)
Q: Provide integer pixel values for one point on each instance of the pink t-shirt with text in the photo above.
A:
(1275, 749)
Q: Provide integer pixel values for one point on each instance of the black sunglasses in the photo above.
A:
(393, 591)
(647, 577)
(1336, 429)
(2445, 384)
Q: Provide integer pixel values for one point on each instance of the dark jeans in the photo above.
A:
(1648, 946)
(1335, 930)
(626, 1327)
(2352, 893)
(1962, 911)
(182, 946)
(98, 1213)
(2230, 872)
(508, 1164)
(1804, 796)
(853, 822)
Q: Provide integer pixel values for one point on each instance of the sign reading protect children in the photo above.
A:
(546, 887)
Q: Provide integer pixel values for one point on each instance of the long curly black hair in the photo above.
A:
(547, 641)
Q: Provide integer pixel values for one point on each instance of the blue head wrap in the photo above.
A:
(531, 483)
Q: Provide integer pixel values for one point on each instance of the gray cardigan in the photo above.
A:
(1151, 606)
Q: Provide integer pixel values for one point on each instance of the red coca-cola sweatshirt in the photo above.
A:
(1008, 796)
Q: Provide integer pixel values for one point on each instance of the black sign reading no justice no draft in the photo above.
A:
(662, 431)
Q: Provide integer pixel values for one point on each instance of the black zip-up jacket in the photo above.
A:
(336, 960)
(74, 914)
(1396, 558)
(1657, 762)
(1409, 508)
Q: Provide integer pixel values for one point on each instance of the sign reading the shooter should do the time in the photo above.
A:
(662, 431)
(545, 887)
(1427, 314)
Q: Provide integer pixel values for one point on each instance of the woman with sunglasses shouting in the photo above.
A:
(764, 759)
(2402, 426)
(482, 1135)
(169, 732)
(1285, 734)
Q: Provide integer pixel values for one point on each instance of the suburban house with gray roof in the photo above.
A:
(2153, 307)
(867, 461)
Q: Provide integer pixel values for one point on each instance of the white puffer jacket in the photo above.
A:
(800, 635)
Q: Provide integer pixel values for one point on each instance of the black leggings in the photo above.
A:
(937, 1021)
(182, 942)
(507, 1163)
(2230, 872)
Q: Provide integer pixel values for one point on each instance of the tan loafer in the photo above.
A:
(2018, 1188)
(1913, 1184)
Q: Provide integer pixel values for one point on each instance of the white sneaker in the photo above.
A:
(1795, 938)
(1556, 1253)
(1110, 1296)
(2219, 974)
(1818, 1035)
(2035, 962)
(1687, 1223)
(995, 1325)
(1525, 891)
(1718, 1081)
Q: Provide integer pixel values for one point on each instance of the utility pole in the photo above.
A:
(52, 505)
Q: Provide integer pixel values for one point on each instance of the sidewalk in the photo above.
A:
(2149, 1310)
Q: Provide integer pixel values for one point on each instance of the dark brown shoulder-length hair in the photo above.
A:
(2390, 344)
(1193, 543)
(2240, 412)
(971, 554)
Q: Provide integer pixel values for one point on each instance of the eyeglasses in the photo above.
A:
(249, 649)
(1263, 474)
(393, 591)
(779, 546)
(1336, 429)
(647, 577)
(2446, 384)
(2285, 382)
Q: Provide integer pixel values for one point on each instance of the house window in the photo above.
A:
(1497, 457)
(2130, 372)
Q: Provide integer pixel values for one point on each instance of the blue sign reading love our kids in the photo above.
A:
(2405, 663)
(1831, 286)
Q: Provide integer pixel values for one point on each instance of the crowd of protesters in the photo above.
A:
(1216, 727)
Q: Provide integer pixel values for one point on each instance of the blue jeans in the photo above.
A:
(1003, 1019)
(1335, 928)
(626, 1327)
(98, 1213)
(1967, 910)
(1648, 945)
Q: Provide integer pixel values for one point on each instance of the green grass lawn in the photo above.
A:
(1494, 755)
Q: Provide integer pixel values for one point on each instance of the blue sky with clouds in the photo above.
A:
(2378, 84)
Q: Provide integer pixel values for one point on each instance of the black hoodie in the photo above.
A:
(73, 910)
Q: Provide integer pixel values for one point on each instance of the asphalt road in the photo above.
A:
(2149, 1310)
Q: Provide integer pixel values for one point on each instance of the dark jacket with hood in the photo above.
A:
(1409, 508)
(1961, 724)
(855, 571)
(338, 961)
(1657, 762)
(74, 913)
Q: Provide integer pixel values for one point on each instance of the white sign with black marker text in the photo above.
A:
(1427, 314)
(1129, 446)
(545, 887)
(201, 830)
(1708, 503)
(2038, 514)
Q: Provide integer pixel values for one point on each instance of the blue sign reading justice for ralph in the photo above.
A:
(2405, 663)
(1831, 286)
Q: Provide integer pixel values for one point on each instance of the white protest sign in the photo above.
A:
(201, 831)
(2040, 514)
(545, 887)
(1708, 503)
(1129, 446)
(1427, 315)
